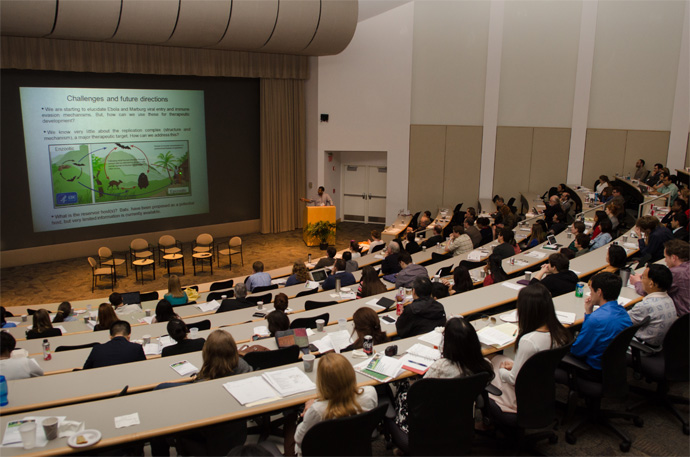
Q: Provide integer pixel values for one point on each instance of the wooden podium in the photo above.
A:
(315, 214)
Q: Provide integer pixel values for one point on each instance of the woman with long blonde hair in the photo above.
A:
(176, 296)
(220, 357)
(337, 395)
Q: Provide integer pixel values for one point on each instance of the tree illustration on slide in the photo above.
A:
(165, 161)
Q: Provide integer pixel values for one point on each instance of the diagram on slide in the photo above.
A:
(106, 172)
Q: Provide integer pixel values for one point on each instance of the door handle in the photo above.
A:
(364, 196)
(369, 196)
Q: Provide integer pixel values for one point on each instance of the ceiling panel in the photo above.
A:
(147, 21)
(251, 24)
(87, 19)
(336, 27)
(296, 25)
(22, 18)
(201, 23)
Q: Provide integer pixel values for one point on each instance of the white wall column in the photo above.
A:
(583, 83)
(491, 92)
(678, 143)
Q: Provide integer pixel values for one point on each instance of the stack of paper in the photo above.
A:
(289, 381)
(511, 285)
(278, 281)
(311, 285)
(334, 341)
(146, 320)
(565, 318)
(536, 254)
(422, 350)
(210, 306)
(262, 331)
(380, 367)
(347, 294)
(434, 338)
(250, 390)
(475, 256)
(498, 336)
(184, 368)
(509, 317)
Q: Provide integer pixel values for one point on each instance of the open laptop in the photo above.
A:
(131, 298)
(318, 275)
(551, 243)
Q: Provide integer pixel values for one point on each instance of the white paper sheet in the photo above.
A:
(210, 306)
(509, 317)
(127, 420)
(184, 368)
(311, 285)
(289, 381)
(422, 350)
(536, 254)
(250, 390)
(565, 318)
(511, 285)
(434, 338)
(499, 335)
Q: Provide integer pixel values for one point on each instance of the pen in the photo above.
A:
(515, 332)
(420, 364)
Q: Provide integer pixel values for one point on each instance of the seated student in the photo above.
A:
(42, 328)
(577, 228)
(462, 281)
(679, 206)
(390, 263)
(508, 219)
(472, 231)
(605, 235)
(598, 217)
(3, 321)
(370, 284)
(439, 291)
(412, 247)
(106, 317)
(120, 308)
(656, 280)
(616, 257)
(346, 278)
(337, 395)
(459, 242)
(178, 331)
(328, 260)
(558, 223)
(16, 364)
(679, 222)
(424, 313)
(582, 242)
(570, 255)
(601, 326)
(259, 278)
(375, 241)
(666, 187)
(299, 275)
(277, 321)
(280, 302)
(116, 351)
(164, 312)
(494, 270)
(651, 238)
(175, 296)
(409, 271)
(64, 313)
(538, 330)
(461, 355)
(354, 249)
(536, 237)
(556, 276)
(613, 211)
(240, 301)
(435, 239)
(366, 323)
(350, 265)
(485, 230)
(505, 249)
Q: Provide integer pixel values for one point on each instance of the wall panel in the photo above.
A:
(650, 146)
(462, 164)
(549, 163)
(427, 155)
(604, 154)
(512, 167)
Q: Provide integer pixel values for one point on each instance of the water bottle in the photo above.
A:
(309, 258)
(337, 285)
(46, 350)
(3, 391)
(399, 297)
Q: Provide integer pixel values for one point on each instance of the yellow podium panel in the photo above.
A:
(314, 214)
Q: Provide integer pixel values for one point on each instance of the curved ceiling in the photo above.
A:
(301, 27)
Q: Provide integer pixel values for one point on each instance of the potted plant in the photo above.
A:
(321, 231)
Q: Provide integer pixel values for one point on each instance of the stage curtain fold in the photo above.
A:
(282, 154)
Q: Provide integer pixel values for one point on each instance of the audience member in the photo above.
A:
(494, 270)
(612, 211)
(570, 255)
(459, 242)
(651, 238)
(3, 321)
(617, 197)
(676, 253)
(64, 313)
(424, 313)
(538, 330)
(485, 230)
(577, 228)
(106, 317)
(370, 283)
(641, 171)
(439, 291)
(600, 327)
(603, 184)
(598, 217)
(390, 263)
(374, 241)
(355, 249)
(462, 281)
(556, 276)
(582, 242)
(299, 275)
(350, 265)
(498, 216)
(667, 187)
(654, 177)
(605, 235)
(122, 308)
(277, 321)
(472, 232)
(259, 278)
(221, 358)
(567, 203)
(409, 272)
(337, 395)
(346, 278)
(558, 222)
(656, 280)
(16, 364)
(239, 302)
(178, 331)
(678, 227)
(280, 302)
(505, 249)
(327, 261)
(175, 296)
(435, 239)
(537, 236)
(366, 323)
(678, 206)
(508, 219)
(116, 351)
(42, 327)
(164, 312)
(616, 257)
(552, 207)
(412, 247)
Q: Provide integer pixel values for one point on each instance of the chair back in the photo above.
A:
(444, 271)
(264, 288)
(443, 427)
(535, 388)
(677, 350)
(204, 241)
(262, 360)
(349, 435)
(265, 298)
(104, 252)
(414, 220)
(307, 292)
(377, 248)
(219, 295)
(166, 241)
(235, 241)
(93, 263)
(221, 285)
(148, 296)
(201, 325)
(614, 362)
(74, 348)
(309, 322)
(457, 208)
(311, 304)
(139, 244)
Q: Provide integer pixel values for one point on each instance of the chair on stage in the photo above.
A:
(168, 245)
(107, 258)
(234, 248)
(202, 251)
(140, 249)
(100, 272)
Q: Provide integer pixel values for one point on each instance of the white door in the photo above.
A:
(364, 193)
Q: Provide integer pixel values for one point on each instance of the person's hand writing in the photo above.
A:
(507, 364)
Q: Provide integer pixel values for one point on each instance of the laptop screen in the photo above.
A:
(318, 275)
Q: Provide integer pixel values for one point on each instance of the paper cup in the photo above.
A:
(86, 320)
(308, 360)
(28, 433)
(528, 275)
(50, 428)
(194, 332)
(260, 305)
(147, 339)
(625, 239)
(24, 317)
(342, 323)
(319, 325)
(148, 313)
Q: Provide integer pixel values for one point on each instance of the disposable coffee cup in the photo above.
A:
(223, 297)
(625, 239)
(148, 313)
(193, 332)
(24, 317)
(86, 320)
(482, 274)
(569, 235)
(308, 360)
(260, 305)
(28, 433)
(319, 325)
(147, 339)
(528, 275)
(342, 323)
(50, 428)
(424, 248)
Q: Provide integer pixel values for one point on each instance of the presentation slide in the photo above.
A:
(105, 156)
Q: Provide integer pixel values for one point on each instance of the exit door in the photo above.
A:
(364, 193)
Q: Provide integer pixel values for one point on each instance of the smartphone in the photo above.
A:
(259, 314)
(387, 319)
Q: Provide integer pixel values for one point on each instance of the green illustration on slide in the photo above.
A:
(106, 172)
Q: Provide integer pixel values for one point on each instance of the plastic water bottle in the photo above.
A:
(3, 391)
(46, 350)
(399, 297)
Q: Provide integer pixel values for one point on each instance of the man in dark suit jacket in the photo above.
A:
(116, 351)
(240, 301)
(390, 263)
(434, 240)
(678, 224)
(339, 272)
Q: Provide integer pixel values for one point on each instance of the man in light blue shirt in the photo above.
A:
(259, 278)
(667, 186)
(601, 326)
